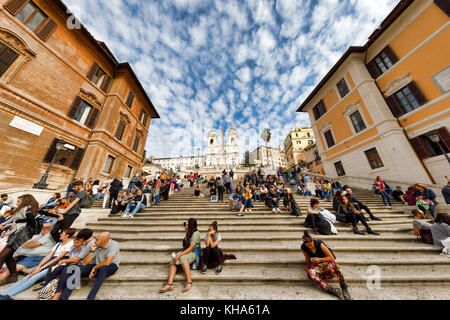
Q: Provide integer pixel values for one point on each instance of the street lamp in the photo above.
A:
(42, 184)
(434, 136)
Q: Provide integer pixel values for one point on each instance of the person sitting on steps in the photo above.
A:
(348, 213)
(184, 258)
(359, 204)
(398, 195)
(272, 199)
(247, 196)
(322, 266)
(237, 202)
(212, 251)
(197, 191)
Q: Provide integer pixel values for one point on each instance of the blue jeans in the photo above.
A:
(134, 208)
(248, 203)
(308, 193)
(98, 196)
(101, 275)
(326, 193)
(24, 284)
(384, 197)
(257, 197)
(156, 199)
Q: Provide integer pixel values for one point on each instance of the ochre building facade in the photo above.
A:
(58, 82)
(383, 109)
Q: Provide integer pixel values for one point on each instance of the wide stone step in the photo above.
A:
(272, 229)
(281, 238)
(148, 290)
(293, 246)
(262, 274)
(296, 257)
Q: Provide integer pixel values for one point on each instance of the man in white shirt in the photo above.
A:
(31, 253)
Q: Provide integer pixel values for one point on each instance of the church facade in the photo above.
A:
(221, 152)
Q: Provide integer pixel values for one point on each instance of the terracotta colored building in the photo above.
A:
(57, 82)
(383, 109)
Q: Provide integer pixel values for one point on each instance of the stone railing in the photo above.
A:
(367, 182)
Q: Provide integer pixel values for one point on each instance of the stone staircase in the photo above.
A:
(269, 262)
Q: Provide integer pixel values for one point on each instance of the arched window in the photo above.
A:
(211, 142)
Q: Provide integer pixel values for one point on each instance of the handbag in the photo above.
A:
(426, 235)
(48, 292)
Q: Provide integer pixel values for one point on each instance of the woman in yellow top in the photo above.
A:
(326, 189)
(247, 195)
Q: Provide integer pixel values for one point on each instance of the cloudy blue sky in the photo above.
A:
(209, 63)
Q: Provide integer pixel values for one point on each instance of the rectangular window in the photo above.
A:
(99, 77)
(434, 148)
(83, 112)
(343, 88)
(339, 168)
(357, 121)
(136, 143)
(382, 62)
(128, 172)
(109, 164)
(7, 58)
(130, 99)
(310, 142)
(69, 156)
(374, 158)
(329, 138)
(143, 118)
(407, 100)
(319, 110)
(120, 130)
(31, 16)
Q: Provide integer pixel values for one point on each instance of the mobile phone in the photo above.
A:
(184, 224)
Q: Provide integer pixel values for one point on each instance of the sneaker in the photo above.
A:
(204, 268)
(249, 210)
(273, 210)
(278, 210)
(219, 269)
(240, 214)
(125, 215)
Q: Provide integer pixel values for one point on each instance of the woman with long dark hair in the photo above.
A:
(212, 252)
(185, 257)
(322, 266)
(337, 200)
(27, 209)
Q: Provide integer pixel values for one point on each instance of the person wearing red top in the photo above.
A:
(380, 187)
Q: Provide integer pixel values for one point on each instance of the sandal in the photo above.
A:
(186, 289)
(167, 287)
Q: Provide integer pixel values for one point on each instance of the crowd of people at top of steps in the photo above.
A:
(41, 237)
